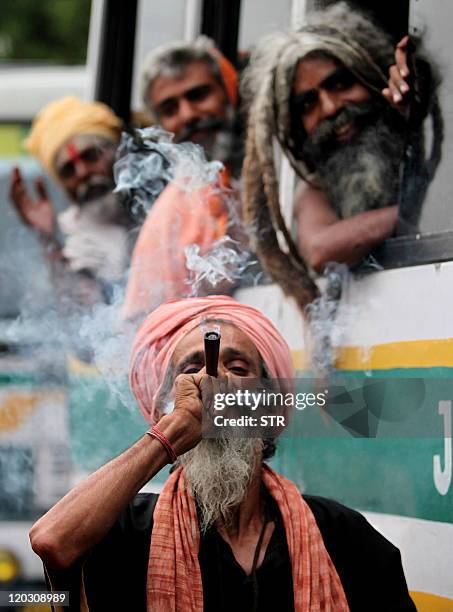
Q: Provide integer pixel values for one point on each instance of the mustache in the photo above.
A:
(93, 188)
(325, 135)
(210, 124)
(364, 174)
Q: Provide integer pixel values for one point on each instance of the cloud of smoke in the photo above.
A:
(90, 330)
(322, 315)
(148, 160)
(218, 269)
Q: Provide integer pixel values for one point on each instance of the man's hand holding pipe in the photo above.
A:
(182, 427)
(71, 528)
(194, 395)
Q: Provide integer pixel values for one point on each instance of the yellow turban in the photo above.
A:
(62, 119)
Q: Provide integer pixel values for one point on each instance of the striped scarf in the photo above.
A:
(174, 576)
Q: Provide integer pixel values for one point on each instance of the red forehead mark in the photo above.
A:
(73, 153)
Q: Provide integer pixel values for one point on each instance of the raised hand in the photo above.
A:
(37, 213)
(194, 395)
(397, 91)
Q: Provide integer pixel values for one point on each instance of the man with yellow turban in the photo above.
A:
(75, 142)
(226, 532)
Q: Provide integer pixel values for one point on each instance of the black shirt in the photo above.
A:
(227, 587)
(368, 565)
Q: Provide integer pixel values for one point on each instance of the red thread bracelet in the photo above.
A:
(154, 432)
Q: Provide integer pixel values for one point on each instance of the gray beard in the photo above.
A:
(228, 148)
(363, 175)
(106, 209)
(221, 147)
(94, 187)
(218, 473)
(222, 140)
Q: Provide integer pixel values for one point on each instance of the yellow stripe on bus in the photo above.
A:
(81, 368)
(425, 602)
(407, 354)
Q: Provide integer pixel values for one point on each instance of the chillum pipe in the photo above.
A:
(211, 352)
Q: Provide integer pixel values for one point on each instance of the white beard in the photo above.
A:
(219, 473)
(95, 239)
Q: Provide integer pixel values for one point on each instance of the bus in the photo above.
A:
(390, 455)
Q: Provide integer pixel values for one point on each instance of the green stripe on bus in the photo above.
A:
(391, 473)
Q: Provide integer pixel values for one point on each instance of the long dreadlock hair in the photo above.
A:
(357, 43)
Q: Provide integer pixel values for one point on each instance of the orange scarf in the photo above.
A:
(177, 220)
(174, 576)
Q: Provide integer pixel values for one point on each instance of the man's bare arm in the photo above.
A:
(323, 237)
(84, 516)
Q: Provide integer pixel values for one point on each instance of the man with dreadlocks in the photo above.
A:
(323, 91)
(226, 532)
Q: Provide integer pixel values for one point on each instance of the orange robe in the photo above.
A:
(177, 219)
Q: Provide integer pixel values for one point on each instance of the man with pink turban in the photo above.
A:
(226, 531)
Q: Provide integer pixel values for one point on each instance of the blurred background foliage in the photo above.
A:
(44, 31)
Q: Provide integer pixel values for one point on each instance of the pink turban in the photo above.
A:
(162, 330)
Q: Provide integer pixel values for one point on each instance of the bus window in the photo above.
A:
(158, 22)
(433, 26)
(421, 181)
(348, 150)
(260, 18)
(62, 26)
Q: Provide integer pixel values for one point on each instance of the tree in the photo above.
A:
(48, 31)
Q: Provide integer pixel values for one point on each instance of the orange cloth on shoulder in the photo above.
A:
(174, 576)
(177, 219)
(229, 75)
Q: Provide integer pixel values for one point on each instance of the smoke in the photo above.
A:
(322, 314)
(80, 323)
(148, 160)
(220, 268)
(110, 341)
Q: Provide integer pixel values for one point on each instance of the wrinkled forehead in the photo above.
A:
(79, 143)
(175, 80)
(181, 67)
(312, 69)
(231, 337)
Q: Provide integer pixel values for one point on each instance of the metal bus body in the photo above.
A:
(393, 325)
